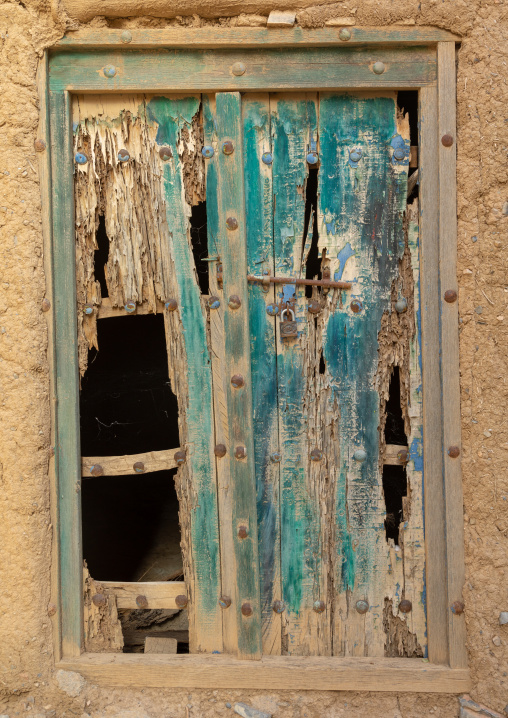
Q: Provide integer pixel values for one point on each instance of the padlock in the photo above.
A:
(288, 328)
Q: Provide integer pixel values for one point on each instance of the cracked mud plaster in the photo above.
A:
(141, 265)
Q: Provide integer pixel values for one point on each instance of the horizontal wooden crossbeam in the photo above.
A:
(158, 594)
(129, 464)
(106, 310)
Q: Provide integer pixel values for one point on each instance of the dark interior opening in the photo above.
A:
(322, 364)
(394, 477)
(313, 263)
(199, 241)
(407, 101)
(130, 523)
(101, 256)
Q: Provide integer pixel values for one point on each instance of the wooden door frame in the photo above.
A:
(416, 58)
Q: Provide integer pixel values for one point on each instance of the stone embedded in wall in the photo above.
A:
(242, 709)
(70, 682)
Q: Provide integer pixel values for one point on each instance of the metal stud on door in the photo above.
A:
(288, 328)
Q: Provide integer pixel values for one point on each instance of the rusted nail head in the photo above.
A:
(247, 609)
(450, 296)
(80, 158)
(344, 34)
(447, 140)
(109, 71)
(378, 68)
(180, 457)
(457, 607)
(228, 147)
(319, 606)
(181, 601)
(51, 609)
(88, 309)
(224, 602)
(362, 606)
(238, 69)
(316, 455)
(46, 305)
(141, 601)
(130, 306)
(171, 305)
(220, 450)
(99, 599)
(126, 36)
(453, 452)
(231, 223)
(123, 156)
(275, 457)
(312, 158)
(237, 381)
(278, 606)
(213, 302)
(356, 306)
(39, 145)
(243, 532)
(96, 470)
(355, 155)
(267, 158)
(314, 307)
(240, 452)
(207, 151)
(234, 301)
(272, 309)
(405, 606)
(360, 455)
(139, 467)
(401, 305)
(165, 153)
(403, 456)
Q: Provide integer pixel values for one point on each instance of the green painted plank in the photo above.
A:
(266, 69)
(260, 258)
(361, 205)
(171, 116)
(232, 249)
(293, 126)
(67, 445)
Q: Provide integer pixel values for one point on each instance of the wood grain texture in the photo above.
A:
(232, 249)
(209, 38)
(450, 351)
(435, 541)
(159, 594)
(124, 465)
(107, 311)
(267, 69)
(361, 205)
(67, 452)
(259, 205)
(398, 675)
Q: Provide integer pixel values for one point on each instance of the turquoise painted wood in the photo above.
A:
(67, 445)
(362, 199)
(172, 115)
(258, 168)
(267, 69)
(231, 228)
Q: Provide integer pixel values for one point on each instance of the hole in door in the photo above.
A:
(199, 242)
(394, 477)
(101, 256)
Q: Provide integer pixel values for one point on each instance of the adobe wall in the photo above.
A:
(27, 683)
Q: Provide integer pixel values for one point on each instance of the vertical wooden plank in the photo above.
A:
(450, 351)
(435, 541)
(305, 631)
(205, 619)
(361, 202)
(67, 445)
(258, 159)
(231, 240)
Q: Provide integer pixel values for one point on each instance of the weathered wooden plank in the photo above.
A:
(67, 454)
(158, 594)
(215, 37)
(107, 311)
(220, 381)
(435, 535)
(450, 352)
(293, 672)
(259, 210)
(266, 69)
(305, 631)
(392, 455)
(231, 241)
(197, 481)
(362, 196)
(126, 465)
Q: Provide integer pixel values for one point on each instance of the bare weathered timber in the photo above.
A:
(103, 630)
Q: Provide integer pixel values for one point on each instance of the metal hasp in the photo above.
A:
(298, 280)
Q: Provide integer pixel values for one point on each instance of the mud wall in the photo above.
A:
(27, 681)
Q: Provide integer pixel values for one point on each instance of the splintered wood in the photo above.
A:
(103, 630)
